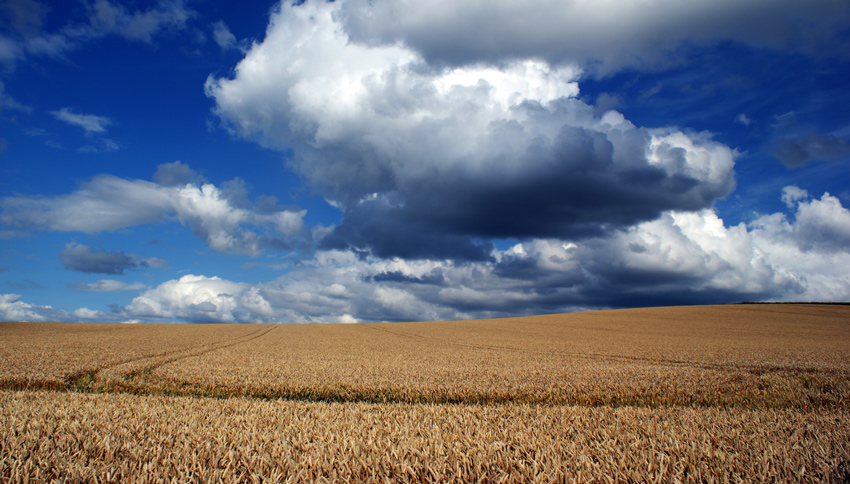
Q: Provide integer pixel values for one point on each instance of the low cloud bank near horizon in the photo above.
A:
(680, 258)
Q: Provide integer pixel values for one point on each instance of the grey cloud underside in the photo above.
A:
(683, 258)
(604, 36)
(582, 183)
(81, 258)
(175, 174)
(796, 152)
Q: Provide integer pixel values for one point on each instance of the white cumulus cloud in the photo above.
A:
(201, 299)
(13, 309)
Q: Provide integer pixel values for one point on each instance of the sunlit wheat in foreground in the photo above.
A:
(698, 394)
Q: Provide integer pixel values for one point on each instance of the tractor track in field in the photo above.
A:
(113, 376)
(171, 357)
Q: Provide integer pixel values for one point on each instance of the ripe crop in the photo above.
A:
(693, 394)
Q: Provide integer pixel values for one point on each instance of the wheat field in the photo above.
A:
(687, 394)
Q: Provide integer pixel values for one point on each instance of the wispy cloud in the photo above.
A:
(25, 284)
(108, 17)
(107, 285)
(27, 36)
(743, 119)
(89, 122)
(223, 37)
(104, 145)
(7, 102)
(36, 132)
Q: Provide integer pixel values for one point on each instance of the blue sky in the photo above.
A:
(201, 161)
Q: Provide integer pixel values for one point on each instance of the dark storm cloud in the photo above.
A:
(398, 276)
(635, 297)
(580, 184)
(796, 152)
(81, 258)
(374, 228)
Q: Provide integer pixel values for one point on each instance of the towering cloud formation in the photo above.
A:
(425, 161)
